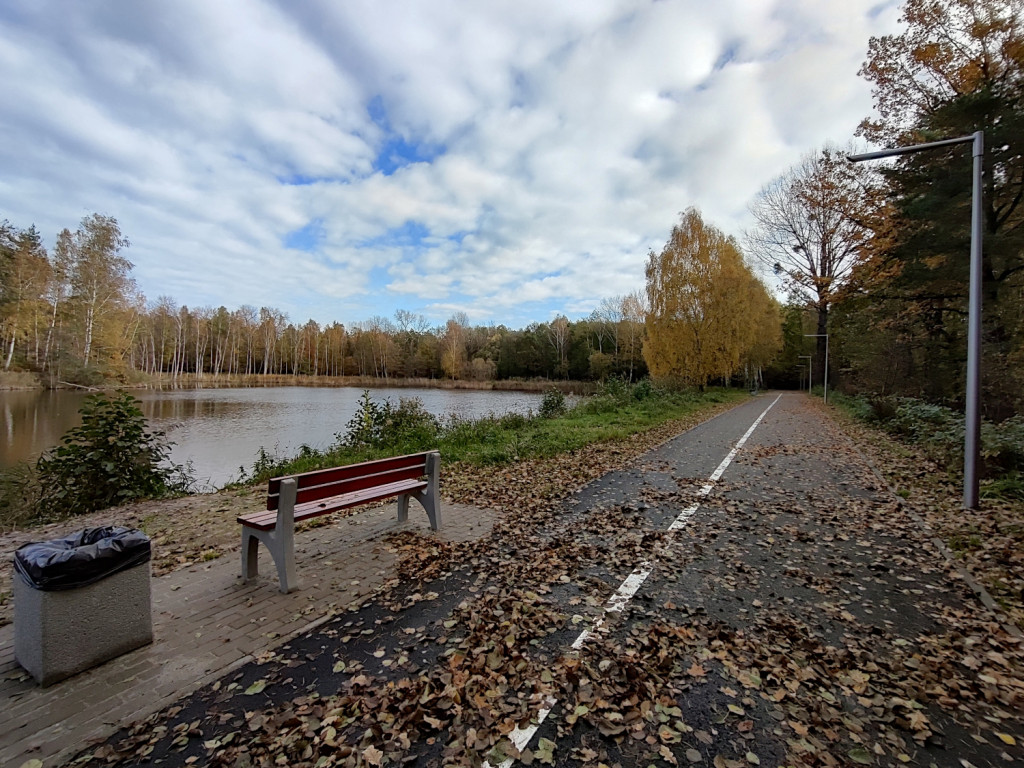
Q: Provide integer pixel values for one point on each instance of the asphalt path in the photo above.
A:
(748, 593)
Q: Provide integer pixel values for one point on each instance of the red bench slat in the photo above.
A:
(340, 488)
(416, 462)
(266, 521)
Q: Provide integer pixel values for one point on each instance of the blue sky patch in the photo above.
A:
(397, 151)
(298, 180)
(305, 238)
(410, 235)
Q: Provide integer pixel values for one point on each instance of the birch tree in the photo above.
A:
(24, 274)
(699, 321)
(99, 278)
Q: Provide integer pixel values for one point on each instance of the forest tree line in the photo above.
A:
(77, 316)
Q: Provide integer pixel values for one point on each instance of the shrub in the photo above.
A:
(110, 459)
(1002, 445)
(615, 388)
(407, 425)
(940, 431)
(513, 421)
(552, 404)
(881, 409)
(363, 429)
(643, 389)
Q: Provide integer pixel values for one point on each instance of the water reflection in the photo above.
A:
(221, 430)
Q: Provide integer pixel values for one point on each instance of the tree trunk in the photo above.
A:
(821, 346)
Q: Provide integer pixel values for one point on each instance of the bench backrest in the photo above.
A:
(323, 483)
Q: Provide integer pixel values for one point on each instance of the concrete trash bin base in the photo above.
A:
(60, 633)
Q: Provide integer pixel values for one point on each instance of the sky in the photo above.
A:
(342, 160)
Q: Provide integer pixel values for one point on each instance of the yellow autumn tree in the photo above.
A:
(708, 314)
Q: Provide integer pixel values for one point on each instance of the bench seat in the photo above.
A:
(266, 521)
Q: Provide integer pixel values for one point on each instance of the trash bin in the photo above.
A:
(80, 601)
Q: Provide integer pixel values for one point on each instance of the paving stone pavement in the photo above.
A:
(206, 623)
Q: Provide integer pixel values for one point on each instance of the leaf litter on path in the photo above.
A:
(789, 624)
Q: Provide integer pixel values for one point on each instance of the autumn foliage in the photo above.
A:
(709, 316)
(956, 67)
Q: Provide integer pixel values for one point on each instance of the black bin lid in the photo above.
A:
(81, 558)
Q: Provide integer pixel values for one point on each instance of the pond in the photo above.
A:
(221, 430)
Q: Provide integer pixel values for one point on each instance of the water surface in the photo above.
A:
(222, 430)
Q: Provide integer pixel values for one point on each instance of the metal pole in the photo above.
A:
(808, 358)
(972, 433)
(824, 397)
(972, 406)
(825, 388)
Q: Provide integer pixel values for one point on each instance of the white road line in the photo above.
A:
(521, 737)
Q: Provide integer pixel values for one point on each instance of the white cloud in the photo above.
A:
(571, 135)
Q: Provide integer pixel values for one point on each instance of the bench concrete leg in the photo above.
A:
(280, 542)
(250, 554)
(430, 497)
(403, 507)
(432, 505)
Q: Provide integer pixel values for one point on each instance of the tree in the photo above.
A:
(957, 66)
(701, 321)
(24, 274)
(453, 346)
(271, 324)
(559, 335)
(949, 49)
(810, 231)
(99, 279)
(634, 310)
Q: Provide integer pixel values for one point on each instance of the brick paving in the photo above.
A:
(206, 623)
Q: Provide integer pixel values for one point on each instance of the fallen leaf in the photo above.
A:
(545, 751)
(860, 755)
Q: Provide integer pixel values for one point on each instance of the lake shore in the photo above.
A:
(16, 380)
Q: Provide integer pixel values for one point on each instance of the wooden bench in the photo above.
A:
(312, 494)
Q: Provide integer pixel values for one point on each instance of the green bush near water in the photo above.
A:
(110, 459)
(553, 404)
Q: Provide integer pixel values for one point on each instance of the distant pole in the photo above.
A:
(825, 388)
(972, 407)
(808, 371)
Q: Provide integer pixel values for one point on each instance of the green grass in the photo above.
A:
(506, 439)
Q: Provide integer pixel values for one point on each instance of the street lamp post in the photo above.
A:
(808, 371)
(825, 388)
(972, 407)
